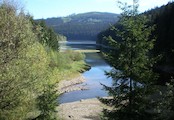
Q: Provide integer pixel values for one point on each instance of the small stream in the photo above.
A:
(94, 77)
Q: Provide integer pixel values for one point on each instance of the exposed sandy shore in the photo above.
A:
(89, 109)
(71, 85)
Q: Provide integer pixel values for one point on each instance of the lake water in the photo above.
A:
(94, 77)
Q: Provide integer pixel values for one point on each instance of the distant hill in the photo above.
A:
(83, 26)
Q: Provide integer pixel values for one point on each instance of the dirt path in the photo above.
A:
(89, 109)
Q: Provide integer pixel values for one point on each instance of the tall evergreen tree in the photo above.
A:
(47, 103)
(132, 68)
(46, 35)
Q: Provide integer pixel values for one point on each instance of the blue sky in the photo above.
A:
(57, 8)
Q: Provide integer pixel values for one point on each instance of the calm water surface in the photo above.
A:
(94, 77)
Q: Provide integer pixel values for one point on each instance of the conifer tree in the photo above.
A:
(132, 68)
(47, 103)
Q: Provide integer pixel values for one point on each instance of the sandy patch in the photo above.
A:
(89, 109)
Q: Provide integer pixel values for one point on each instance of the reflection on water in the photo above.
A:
(94, 77)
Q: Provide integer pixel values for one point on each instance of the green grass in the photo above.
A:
(66, 65)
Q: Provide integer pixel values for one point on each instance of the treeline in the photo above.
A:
(80, 31)
(163, 19)
(31, 66)
(84, 26)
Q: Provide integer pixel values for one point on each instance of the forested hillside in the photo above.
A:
(163, 19)
(84, 26)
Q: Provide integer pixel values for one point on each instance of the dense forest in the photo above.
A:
(135, 93)
(31, 66)
(163, 19)
(84, 26)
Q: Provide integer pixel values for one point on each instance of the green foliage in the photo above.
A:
(132, 68)
(163, 19)
(75, 56)
(20, 58)
(46, 36)
(63, 60)
(29, 59)
(47, 102)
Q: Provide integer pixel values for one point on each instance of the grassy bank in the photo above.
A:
(67, 65)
